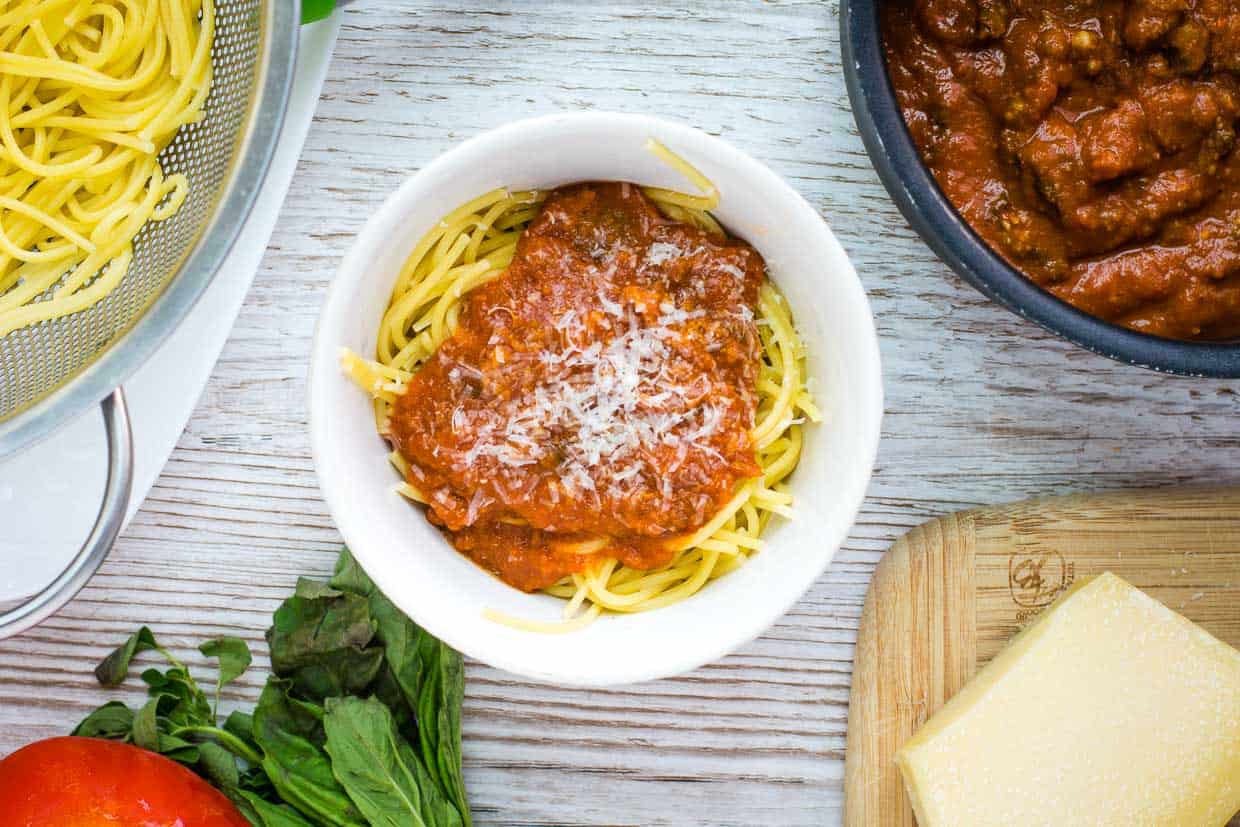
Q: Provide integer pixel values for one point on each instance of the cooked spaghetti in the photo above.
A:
(595, 392)
(91, 91)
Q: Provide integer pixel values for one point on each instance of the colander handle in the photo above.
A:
(107, 526)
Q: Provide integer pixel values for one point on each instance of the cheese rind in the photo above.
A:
(1108, 709)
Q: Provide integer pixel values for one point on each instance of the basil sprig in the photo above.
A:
(312, 10)
(358, 726)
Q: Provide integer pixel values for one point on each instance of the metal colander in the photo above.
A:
(53, 371)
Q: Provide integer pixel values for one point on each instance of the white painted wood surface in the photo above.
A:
(982, 408)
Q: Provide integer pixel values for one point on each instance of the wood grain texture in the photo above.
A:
(982, 407)
(911, 659)
(950, 594)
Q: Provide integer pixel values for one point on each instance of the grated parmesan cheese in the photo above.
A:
(599, 405)
(662, 252)
(613, 386)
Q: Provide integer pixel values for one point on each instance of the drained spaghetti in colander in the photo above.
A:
(91, 91)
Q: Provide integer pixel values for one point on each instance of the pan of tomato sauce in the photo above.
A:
(1075, 159)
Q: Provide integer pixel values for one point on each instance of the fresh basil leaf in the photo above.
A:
(321, 645)
(153, 678)
(439, 720)
(305, 628)
(313, 10)
(181, 751)
(313, 589)
(113, 721)
(387, 689)
(430, 674)
(112, 670)
(301, 775)
(267, 814)
(254, 780)
(299, 769)
(218, 765)
(437, 810)
(409, 650)
(349, 575)
(185, 704)
(146, 726)
(240, 724)
(234, 657)
(342, 672)
(151, 731)
(379, 770)
(244, 807)
(404, 642)
(278, 706)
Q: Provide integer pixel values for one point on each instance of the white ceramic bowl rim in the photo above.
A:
(444, 592)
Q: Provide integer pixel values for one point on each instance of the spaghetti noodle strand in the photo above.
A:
(90, 94)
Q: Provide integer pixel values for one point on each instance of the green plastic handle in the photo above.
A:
(312, 10)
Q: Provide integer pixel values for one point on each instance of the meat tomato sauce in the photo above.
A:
(596, 397)
(1092, 143)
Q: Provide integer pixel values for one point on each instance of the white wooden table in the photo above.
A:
(982, 408)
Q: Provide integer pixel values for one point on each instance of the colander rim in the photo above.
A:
(132, 348)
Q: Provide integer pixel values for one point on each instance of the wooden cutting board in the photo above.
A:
(950, 593)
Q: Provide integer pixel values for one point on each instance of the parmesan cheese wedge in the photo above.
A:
(1108, 709)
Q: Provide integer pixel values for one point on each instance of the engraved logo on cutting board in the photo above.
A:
(1035, 578)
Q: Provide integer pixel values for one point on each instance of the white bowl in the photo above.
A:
(445, 592)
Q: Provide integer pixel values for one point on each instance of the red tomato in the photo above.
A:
(86, 782)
